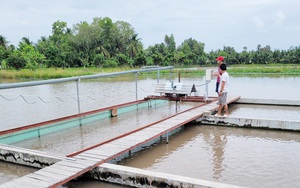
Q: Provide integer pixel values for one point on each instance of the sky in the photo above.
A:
(216, 23)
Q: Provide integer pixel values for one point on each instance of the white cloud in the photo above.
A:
(280, 18)
(258, 22)
(216, 23)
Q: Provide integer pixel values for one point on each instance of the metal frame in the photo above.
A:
(78, 78)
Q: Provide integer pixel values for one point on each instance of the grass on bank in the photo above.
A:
(51, 73)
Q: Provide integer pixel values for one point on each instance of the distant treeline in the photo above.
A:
(104, 43)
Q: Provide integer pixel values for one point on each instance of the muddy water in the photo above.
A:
(265, 112)
(30, 105)
(245, 157)
(238, 156)
(71, 140)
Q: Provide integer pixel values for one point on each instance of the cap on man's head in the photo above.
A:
(220, 58)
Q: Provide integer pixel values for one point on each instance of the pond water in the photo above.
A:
(237, 156)
(30, 105)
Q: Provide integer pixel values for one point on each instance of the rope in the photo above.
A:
(9, 99)
(26, 100)
(63, 99)
(44, 100)
(203, 84)
(149, 88)
(24, 97)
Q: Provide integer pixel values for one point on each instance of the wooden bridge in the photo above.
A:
(85, 160)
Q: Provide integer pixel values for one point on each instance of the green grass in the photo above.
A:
(51, 73)
(265, 69)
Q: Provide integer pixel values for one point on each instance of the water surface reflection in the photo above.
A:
(247, 157)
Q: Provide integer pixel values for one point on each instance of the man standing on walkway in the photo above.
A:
(219, 60)
(223, 90)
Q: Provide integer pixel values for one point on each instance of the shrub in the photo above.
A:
(99, 60)
(110, 63)
(16, 60)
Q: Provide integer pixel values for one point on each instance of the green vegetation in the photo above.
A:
(266, 70)
(50, 73)
(104, 46)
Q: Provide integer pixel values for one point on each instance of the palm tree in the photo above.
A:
(26, 40)
(134, 46)
(3, 42)
(102, 50)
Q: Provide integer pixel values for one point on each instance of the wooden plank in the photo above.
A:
(86, 158)
(103, 154)
(92, 155)
(59, 172)
(138, 138)
(124, 141)
(109, 149)
(140, 135)
(13, 184)
(58, 177)
(106, 152)
(20, 184)
(67, 168)
(31, 182)
(42, 177)
(79, 162)
(155, 129)
(115, 146)
(72, 164)
(129, 138)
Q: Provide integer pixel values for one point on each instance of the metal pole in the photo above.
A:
(136, 79)
(206, 89)
(170, 75)
(78, 99)
(157, 74)
(167, 137)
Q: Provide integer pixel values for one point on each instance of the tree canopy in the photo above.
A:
(104, 43)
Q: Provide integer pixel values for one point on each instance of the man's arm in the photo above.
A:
(222, 87)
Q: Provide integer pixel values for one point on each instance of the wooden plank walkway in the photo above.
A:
(70, 168)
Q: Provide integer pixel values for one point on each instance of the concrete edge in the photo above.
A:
(28, 157)
(251, 123)
(278, 102)
(135, 177)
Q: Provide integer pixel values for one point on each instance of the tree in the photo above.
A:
(3, 42)
(54, 56)
(99, 60)
(85, 41)
(16, 60)
(231, 55)
(122, 59)
(59, 32)
(194, 51)
(170, 43)
(157, 53)
(123, 36)
(105, 43)
(4, 52)
(106, 35)
(134, 46)
(141, 59)
(263, 55)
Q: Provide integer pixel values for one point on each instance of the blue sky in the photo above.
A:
(217, 23)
